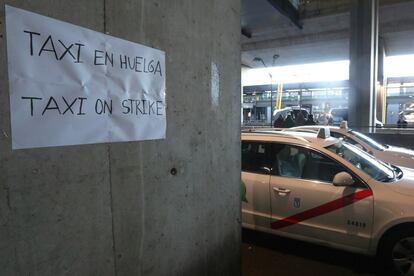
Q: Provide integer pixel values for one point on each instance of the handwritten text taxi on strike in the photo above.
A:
(74, 52)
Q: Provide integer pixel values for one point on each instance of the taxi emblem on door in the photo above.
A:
(296, 202)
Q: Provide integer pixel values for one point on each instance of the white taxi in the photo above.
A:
(387, 153)
(317, 188)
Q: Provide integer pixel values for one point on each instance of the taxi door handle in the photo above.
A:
(281, 191)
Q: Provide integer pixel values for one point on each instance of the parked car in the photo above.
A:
(408, 115)
(329, 192)
(337, 115)
(391, 154)
(291, 109)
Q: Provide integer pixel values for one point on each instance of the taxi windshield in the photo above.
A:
(363, 161)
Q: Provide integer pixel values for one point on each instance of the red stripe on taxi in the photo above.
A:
(322, 209)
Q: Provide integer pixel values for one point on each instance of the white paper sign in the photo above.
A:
(70, 85)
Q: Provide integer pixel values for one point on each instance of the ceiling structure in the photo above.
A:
(320, 33)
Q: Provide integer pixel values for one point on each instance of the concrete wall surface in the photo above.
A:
(116, 209)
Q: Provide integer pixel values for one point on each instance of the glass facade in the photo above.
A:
(316, 98)
(323, 88)
(400, 101)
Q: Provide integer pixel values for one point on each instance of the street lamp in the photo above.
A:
(259, 59)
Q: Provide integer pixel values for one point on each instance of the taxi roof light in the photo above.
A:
(324, 133)
(344, 125)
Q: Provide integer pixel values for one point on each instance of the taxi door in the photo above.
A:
(305, 203)
(255, 184)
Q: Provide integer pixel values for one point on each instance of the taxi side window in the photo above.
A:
(337, 135)
(255, 157)
(321, 168)
(289, 161)
(298, 162)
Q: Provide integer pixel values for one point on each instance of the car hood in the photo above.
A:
(405, 185)
(400, 152)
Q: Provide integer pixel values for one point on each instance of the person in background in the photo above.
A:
(310, 121)
(288, 122)
(278, 123)
(300, 119)
(330, 121)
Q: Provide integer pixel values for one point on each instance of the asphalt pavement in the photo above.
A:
(265, 254)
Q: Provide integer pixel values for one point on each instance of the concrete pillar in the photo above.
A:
(268, 115)
(363, 63)
(162, 207)
(381, 59)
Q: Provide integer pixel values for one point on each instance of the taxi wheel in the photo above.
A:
(397, 253)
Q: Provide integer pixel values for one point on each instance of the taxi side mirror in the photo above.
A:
(343, 179)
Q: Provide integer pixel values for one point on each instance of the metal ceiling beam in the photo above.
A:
(334, 35)
(286, 8)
